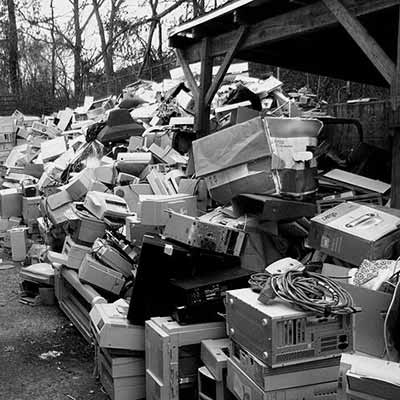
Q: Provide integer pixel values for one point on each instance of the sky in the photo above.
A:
(134, 8)
(138, 8)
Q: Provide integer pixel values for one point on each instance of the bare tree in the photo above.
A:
(53, 51)
(107, 51)
(13, 64)
(198, 7)
(153, 25)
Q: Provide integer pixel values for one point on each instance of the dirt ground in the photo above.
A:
(25, 333)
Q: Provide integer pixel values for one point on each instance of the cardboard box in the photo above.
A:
(369, 323)
(100, 276)
(353, 232)
(10, 203)
(291, 140)
(237, 145)
(236, 160)
(253, 177)
(112, 330)
(152, 208)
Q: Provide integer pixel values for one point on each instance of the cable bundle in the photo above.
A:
(310, 291)
(258, 281)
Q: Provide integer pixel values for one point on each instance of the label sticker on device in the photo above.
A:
(168, 249)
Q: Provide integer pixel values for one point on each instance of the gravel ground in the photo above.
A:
(25, 333)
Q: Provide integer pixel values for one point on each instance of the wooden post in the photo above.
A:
(225, 65)
(188, 74)
(395, 95)
(202, 117)
(364, 40)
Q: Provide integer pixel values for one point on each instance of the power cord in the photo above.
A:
(308, 290)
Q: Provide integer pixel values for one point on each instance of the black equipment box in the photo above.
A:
(162, 262)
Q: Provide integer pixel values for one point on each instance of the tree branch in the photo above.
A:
(137, 24)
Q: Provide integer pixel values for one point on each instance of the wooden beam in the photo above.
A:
(225, 65)
(395, 84)
(395, 94)
(300, 21)
(365, 41)
(188, 74)
(202, 117)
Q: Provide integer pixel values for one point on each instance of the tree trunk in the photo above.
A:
(78, 69)
(198, 8)
(147, 51)
(115, 5)
(160, 39)
(153, 26)
(53, 52)
(108, 63)
(13, 64)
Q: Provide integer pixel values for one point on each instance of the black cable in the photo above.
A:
(312, 292)
(258, 281)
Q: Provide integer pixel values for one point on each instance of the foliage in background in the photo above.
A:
(50, 60)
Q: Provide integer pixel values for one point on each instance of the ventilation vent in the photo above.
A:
(329, 343)
(295, 355)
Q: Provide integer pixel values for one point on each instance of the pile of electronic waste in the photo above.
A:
(242, 270)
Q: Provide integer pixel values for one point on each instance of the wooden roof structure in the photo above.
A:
(355, 40)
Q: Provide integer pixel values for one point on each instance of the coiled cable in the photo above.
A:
(308, 290)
